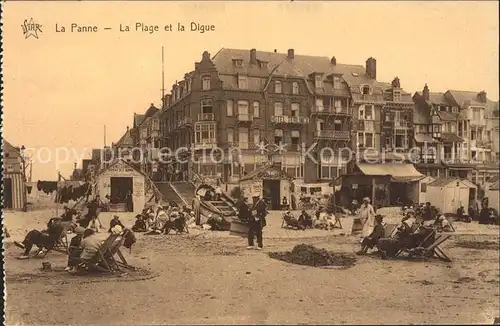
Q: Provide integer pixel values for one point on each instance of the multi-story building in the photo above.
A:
(478, 110)
(439, 118)
(240, 101)
(397, 121)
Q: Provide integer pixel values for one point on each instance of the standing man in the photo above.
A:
(256, 223)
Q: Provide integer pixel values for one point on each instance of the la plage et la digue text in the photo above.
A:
(136, 27)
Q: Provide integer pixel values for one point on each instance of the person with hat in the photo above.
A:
(75, 250)
(114, 222)
(372, 240)
(367, 216)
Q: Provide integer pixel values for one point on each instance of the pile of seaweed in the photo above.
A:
(303, 254)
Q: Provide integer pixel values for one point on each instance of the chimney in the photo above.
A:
(75, 165)
(481, 96)
(253, 57)
(425, 92)
(291, 54)
(275, 50)
(128, 128)
(371, 68)
(333, 61)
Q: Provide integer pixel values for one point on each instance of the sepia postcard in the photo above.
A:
(250, 162)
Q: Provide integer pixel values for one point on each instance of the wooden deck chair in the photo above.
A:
(98, 261)
(434, 250)
(389, 229)
(61, 245)
(337, 222)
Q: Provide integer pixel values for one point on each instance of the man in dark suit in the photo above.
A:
(256, 222)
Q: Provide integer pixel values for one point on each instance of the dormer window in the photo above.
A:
(337, 82)
(277, 87)
(454, 109)
(189, 85)
(205, 83)
(396, 96)
(318, 81)
(263, 64)
(242, 82)
(295, 88)
(365, 90)
(238, 62)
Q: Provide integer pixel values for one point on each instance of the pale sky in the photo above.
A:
(62, 88)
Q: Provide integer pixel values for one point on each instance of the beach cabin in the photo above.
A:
(493, 192)
(125, 185)
(14, 186)
(448, 194)
(271, 182)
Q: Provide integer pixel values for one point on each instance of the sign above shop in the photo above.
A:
(122, 168)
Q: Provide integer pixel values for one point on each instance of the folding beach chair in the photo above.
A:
(105, 260)
(434, 250)
(389, 229)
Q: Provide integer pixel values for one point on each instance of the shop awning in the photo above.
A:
(451, 138)
(399, 172)
(423, 138)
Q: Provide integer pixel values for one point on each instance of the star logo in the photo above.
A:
(262, 148)
(30, 28)
(280, 148)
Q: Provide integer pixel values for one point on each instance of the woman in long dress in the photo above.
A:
(367, 217)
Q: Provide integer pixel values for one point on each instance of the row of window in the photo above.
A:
(244, 133)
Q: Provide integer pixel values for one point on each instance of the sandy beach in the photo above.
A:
(211, 278)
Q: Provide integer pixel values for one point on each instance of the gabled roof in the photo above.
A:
(301, 66)
(260, 173)
(8, 148)
(463, 98)
(122, 161)
(138, 118)
(447, 116)
(126, 139)
(438, 99)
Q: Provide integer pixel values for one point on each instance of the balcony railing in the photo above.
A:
(185, 122)
(331, 110)
(400, 124)
(333, 134)
(207, 144)
(206, 117)
(243, 145)
(369, 98)
(244, 117)
(283, 119)
(478, 122)
(366, 125)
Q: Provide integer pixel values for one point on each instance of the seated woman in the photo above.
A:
(305, 219)
(140, 224)
(75, 249)
(44, 240)
(90, 246)
(115, 221)
(390, 246)
(372, 240)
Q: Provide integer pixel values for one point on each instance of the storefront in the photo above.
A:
(270, 182)
(125, 186)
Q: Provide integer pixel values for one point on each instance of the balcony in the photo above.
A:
(185, 122)
(244, 117)
(243, 145)
(208, 144)
(401, 124)
(206, 117)
(283, 119)
(367, 98)
(366, 125)
(480, 144)
(331, 110)
(332, 134)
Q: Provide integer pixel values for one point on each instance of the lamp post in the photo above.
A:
(25, 195)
